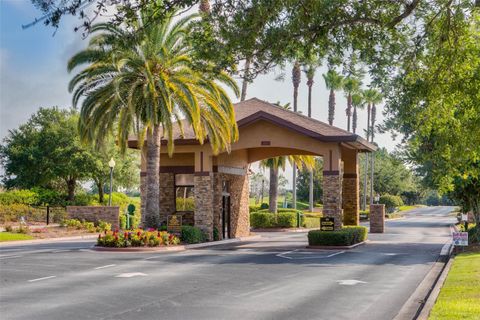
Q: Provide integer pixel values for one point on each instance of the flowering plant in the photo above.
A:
(136, 238)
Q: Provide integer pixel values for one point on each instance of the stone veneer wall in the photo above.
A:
(377, 218)
(332, 198)
(239, 196)
(351, 203)
(167, 196)
(204, 195)
(95, 213)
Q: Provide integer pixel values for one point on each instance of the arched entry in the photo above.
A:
(264, 131)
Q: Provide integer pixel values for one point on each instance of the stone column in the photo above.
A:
(167, 195)
(332, 187)
(204, 192)
(239, 196)
(377, 218)
(350, 188)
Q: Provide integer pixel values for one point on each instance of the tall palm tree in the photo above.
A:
(296, 79)
(350, 86)
(309, 70)
(145, 73)
(333, 82)
(376, 99)
(369, 95)
(357, 103)
(277, 163)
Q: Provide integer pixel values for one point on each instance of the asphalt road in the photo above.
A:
(272, 278)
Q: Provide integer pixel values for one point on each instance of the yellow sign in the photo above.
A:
(174, 223)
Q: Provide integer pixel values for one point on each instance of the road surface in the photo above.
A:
(271, 278)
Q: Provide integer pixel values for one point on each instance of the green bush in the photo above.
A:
(26, 197)
(283, 219)
(310, 222)
(348, 236)
(264, 206)
(253, 208)
(473, 233)
(73, 223)
(191, 234)
(391, 202)
(104, 226)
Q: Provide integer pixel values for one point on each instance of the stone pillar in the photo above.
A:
(204, 193)
(240, 215)
(167, 195)
(332, 187)
(350, 188)
(377, 218)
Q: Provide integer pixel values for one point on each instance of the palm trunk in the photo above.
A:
(331, 107)
(365, 178)
(294, 189)
(310, 190)
(152, 206)
(349, 110)
(354, 119)
(310, 84)
(273, 191)
(374, 110)
(245, 79)
(310, 198)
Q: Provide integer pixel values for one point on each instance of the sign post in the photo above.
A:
(460, 239)
(327, 224)
(174, 224)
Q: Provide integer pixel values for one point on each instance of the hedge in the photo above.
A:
(390, 202)
(283, 219)
(347, 236)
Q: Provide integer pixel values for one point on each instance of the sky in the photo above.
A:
(33, 73)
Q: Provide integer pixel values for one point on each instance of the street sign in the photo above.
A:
(174, 223)
(327, 224)
(460, 238)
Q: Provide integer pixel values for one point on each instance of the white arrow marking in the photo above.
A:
(349, 282)
(107, 266)
(131, 274)
(40, 279)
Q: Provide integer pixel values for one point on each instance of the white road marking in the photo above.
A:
(8, 257)
(40, 279)
(390, 254)
(315, 255)
(349, 282)
(131, 274)
(58, 251)
(103, 267)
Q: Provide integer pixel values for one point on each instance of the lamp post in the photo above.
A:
(111, 164)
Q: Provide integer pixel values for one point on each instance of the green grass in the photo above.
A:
(460, 296)
(9, 236)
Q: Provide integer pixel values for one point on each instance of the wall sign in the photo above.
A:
(174, 223)
(327, 224)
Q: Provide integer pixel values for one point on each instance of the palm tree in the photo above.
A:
(274, 164)
(145, 73)
(333, 82)
(310, 73)
(376, 98)
(350, 86)
(357, 103)
(296, 79)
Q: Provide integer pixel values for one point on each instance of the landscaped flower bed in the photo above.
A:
(136, 238)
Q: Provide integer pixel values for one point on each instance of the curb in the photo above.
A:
(47, 240)
(432, 298)
(284, 229)
(337, 247)
(418, 300)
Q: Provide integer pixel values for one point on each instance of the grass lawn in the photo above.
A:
(460, 296)
(9, 236)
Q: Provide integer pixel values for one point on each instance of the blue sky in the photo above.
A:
(33, 72)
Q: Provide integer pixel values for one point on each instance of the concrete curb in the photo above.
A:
(415, 304)
(337, 247)
(283, 229)
(48, 240)
(432, 298)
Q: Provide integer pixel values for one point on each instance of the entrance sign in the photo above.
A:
(174, 223)
(460, 238)
(327, 224)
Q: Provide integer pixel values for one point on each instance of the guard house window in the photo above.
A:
(184, 192)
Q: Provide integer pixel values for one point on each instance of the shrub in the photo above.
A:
(391, 202)
(253, 208)
(287, 220)
(216, 234)
(191, 234)
(262, 219)
(13, 212)
(23, 229)
(8, 228)
(264, 206)
(473, 233)
(104, 226)
(26, 197)
(89, 226)
(73, 224)
(348, 236)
